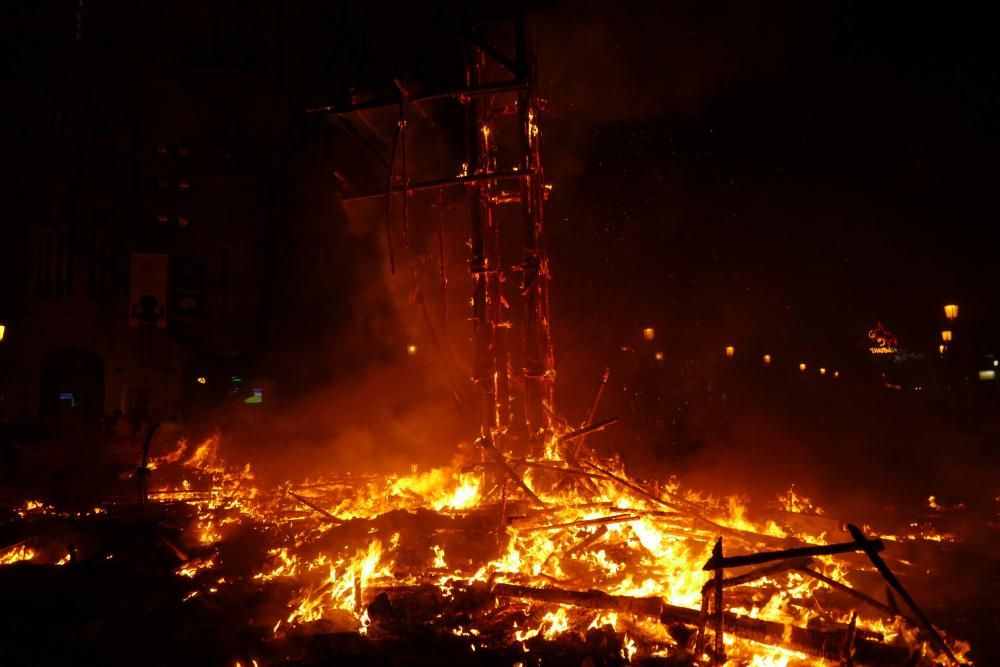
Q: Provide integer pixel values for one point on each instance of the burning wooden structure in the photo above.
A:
(551, 556)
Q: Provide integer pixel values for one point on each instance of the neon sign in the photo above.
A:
(880, 341)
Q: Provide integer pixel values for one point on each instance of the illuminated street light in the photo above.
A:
(836, 374)
(730, 351)
(822, 371)
(649, 333)
(201, 379)
(942, 348)
(411, 349)
(767, 359)
(951, 312)
(3, 331)
(802, 368)
(946, 335)
(658, 356)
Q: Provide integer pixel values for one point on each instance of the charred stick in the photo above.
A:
(798, 552)
(571, 459)
(761, 572)
(502, 462)
(593, 410)
(865, 545)
(604, 520)
(719, 657)
(856, 594)
(847, 657)
(587, 430)
(314, 507)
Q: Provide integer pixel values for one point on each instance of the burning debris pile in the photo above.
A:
(551, 560)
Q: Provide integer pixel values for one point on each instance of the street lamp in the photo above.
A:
(3, 331)
(802, 368)
(951, 312)
(649, 333)
(767, 359)
(730, 351)
(946, 335)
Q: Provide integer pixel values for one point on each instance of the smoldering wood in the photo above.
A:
(873, 554)
(593, 411)
(856, 594)
(604, 520)
(315, 507)
(821, 642)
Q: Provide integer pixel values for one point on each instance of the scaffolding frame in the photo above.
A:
(491, 369)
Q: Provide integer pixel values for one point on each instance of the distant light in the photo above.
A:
(951, 312)
(822, 371)
(946, 335)
(411, 349)
(730, 351)
(767, 359)
(66, 396)
(988, 375)
(995, 362)
(802, 368)
(942, 348)
(658, 356)
(236, 379)
(258, 396)
(649, 333)
(3, 331)
(201, 379)
(836, 374)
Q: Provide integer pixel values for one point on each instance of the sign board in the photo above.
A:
(148, 292)
(880, 341)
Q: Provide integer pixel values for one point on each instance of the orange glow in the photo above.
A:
(822, 371)
(201, 379)
(942, 348)
(649, 333)
(951, 312)
(658, 356)
(802, 368)
(767, 359)
(946, 336)
(730, 351)
(411, 349)
(836, 374)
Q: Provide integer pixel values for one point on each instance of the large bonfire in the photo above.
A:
(531, 559)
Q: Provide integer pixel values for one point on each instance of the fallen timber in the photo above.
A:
(825, 643)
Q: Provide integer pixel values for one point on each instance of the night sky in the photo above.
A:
(779, 177)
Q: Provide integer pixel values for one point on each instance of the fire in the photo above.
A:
(335, 543)
(16, 555)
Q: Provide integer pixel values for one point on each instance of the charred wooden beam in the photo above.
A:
(866, 545)
(854, 593)
(797, 552)
(587, 430)
(821, 642)
(315, 507)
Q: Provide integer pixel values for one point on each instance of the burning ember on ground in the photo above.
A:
(529, 561)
